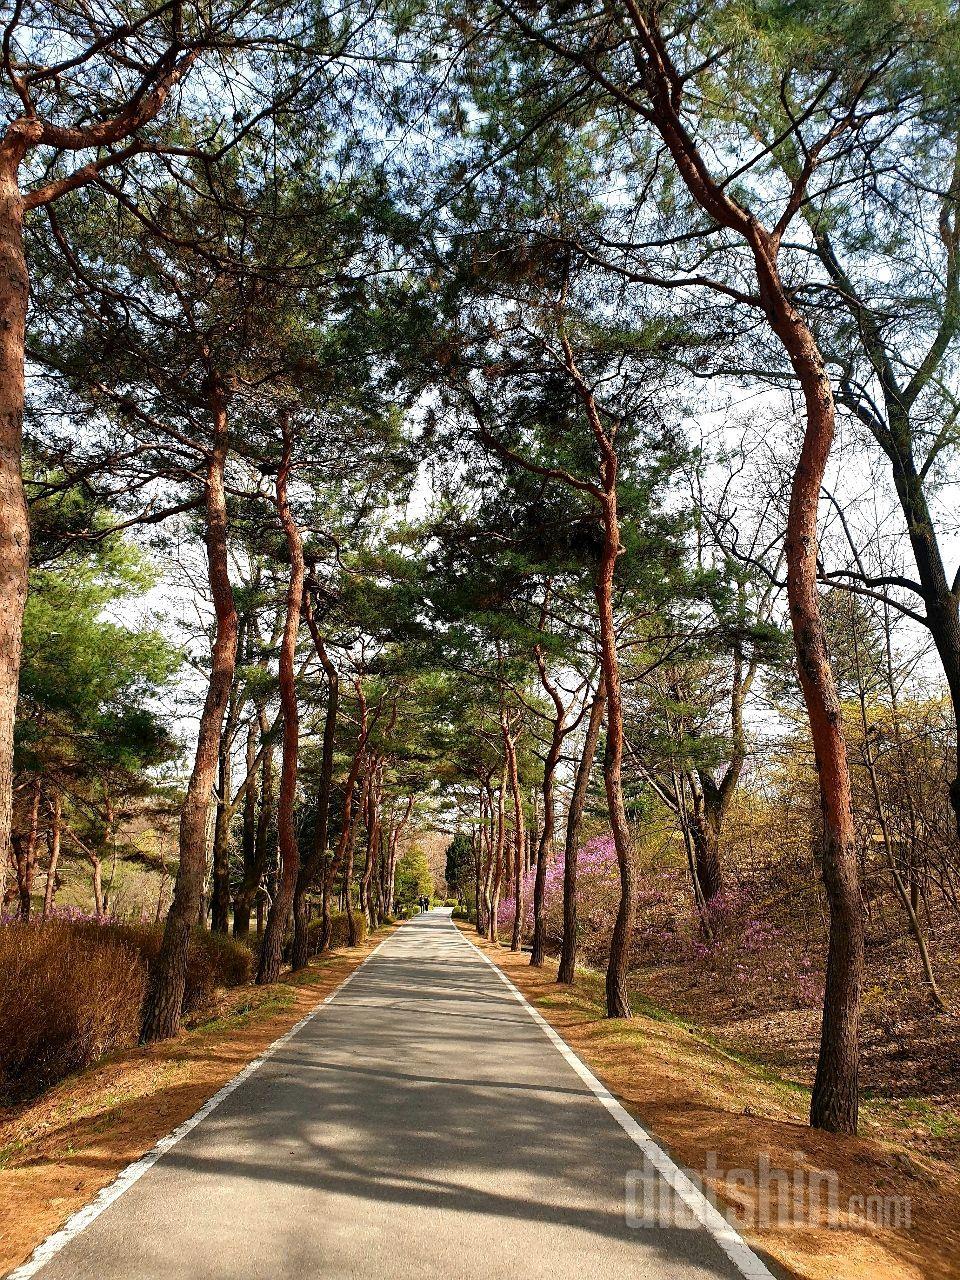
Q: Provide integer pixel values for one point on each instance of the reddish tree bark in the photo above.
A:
(834, 1103)
(545, 842)
(279, 918)
(617, 994)
(14, 521)
(164, 999)
(604, 494)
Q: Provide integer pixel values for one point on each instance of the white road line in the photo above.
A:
(82, 1219)
(713, 1222)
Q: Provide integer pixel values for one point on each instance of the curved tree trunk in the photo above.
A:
(618, 997)
(705, 831)
(941, 599)
(568, 950)
(897, 438)
(712, 799)
(617, 994)
(21, 135)
(161, 1013)
(834, 1105)
(279, 917)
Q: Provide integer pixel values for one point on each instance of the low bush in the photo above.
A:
(213, 960)
(72, 991)
(64, 1002)
(340, 936)
(231, 961)
(339, 930)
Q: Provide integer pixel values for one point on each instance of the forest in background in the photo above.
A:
(537, 426)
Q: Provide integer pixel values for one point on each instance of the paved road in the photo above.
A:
(421, 1126)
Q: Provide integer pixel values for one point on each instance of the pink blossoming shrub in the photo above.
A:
(746, 949)
(598, 895)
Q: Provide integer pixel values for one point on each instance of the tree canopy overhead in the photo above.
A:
(536, 429)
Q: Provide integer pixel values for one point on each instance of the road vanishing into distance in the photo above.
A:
(421, 1125)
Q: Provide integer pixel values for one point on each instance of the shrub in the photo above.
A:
(340, 935)
(213, 960)
(64, 1002)
(598, 897)
(72, 991)
(231, 961)
(339, 932)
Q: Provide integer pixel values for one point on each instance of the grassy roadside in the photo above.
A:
(697, 1098)
(59, 1150)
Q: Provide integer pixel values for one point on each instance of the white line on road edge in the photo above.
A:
(713, 1222)
(82, 1219)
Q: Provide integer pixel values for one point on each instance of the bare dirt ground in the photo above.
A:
(59, 1150)
(697, 1098)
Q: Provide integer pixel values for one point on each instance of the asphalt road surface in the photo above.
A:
(422, 1125)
